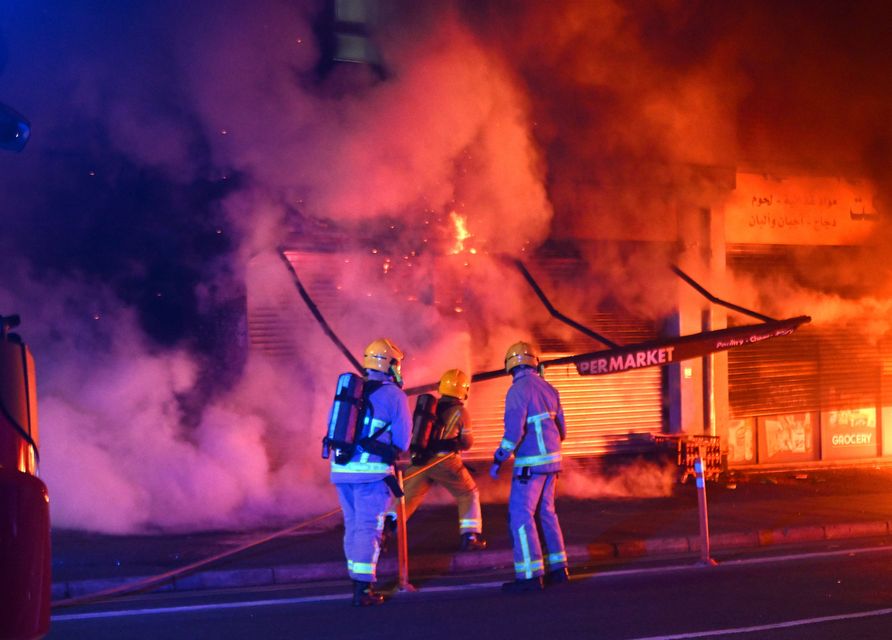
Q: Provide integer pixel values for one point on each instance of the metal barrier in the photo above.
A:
(703, 512)
(700, 457)
(687, 448)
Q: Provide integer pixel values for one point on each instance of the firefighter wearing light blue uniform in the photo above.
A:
(364, 482)
(534, 430)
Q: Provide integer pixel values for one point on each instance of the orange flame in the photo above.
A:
(461, 232)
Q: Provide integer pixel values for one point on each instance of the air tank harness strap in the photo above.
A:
(387, 452)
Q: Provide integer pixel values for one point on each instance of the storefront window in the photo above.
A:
(742, 441)
(787, 438)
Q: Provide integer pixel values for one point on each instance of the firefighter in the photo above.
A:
(365, 481)
(453, 429)
(534, 430)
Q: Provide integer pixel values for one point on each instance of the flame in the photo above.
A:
(461, 232)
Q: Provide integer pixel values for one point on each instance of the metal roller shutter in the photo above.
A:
(774, 376)
(850, 369)
(885, 347)
(608, 414)
(819, 368)
(828, 369)
(274, 320)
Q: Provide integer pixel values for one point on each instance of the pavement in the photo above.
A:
(745, 511)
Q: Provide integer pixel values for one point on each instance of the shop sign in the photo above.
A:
(849, 433)
(669, 350)
(801, 210)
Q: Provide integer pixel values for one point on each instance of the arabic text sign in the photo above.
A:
(802, 210)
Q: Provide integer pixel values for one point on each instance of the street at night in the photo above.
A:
(819, 595)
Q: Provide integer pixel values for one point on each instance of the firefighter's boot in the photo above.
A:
(523, 585)
(557, 577)
(365, 596)
(473, 542)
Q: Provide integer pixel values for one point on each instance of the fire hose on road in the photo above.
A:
(145, 584)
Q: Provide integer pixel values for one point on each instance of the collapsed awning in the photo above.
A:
(668, 350)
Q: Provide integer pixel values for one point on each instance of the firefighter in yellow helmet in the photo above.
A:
(534, 430)
(364, 475)
(451, 432)
(384, 356)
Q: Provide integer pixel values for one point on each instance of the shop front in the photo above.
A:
(815, 397)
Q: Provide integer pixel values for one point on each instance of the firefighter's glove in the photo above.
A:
(497, 459)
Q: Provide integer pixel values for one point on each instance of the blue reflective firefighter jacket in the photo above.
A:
(390, 415)
(534, 425)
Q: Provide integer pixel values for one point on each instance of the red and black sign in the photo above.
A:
(657, 352)
(666, 351)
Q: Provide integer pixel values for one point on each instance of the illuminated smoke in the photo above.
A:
(640, 107)
(173, 152)
(637, 479)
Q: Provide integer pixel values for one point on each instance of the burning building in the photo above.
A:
(405, 154)
(751, 231)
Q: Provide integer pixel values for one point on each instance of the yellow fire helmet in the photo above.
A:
(520, 353)
(382, 355)
(455, 383)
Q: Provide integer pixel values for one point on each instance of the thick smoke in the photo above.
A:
(644, 109)
(170, 153)
(176, 146)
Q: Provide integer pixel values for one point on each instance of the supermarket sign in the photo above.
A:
(661, 352)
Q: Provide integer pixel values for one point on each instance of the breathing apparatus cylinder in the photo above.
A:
(344, 415)
(443, 421)
(423, 419)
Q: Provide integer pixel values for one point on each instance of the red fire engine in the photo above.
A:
(24, 501)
